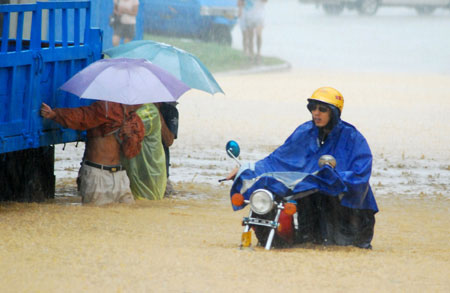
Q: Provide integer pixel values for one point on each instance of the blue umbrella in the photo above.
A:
(183, 65)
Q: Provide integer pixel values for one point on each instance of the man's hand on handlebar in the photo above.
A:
(232, 174)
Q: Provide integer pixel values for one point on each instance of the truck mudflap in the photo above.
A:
(27, 175)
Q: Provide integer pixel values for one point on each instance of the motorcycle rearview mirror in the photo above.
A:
(327, 160)
(233, 150)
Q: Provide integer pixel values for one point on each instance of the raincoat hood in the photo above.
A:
(335, 115)
(300, 154)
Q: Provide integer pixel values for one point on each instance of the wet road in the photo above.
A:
(394, 40)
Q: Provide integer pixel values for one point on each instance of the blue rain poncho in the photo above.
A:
(293, 167)
(147, 171)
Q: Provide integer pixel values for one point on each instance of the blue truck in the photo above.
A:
(42, 45)
(209, 20)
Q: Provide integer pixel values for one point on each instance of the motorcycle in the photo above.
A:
(273, 197)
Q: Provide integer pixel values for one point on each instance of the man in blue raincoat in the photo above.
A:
(346, 218)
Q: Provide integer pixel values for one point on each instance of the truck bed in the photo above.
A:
(32, 70)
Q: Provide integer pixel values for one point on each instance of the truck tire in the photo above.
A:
(27, 175)
(367, 7)
(262, 233)
(333, 9)
(425, 10)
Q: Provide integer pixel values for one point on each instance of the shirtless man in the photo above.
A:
(103, 179)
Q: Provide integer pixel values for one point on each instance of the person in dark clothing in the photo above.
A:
(169, 131)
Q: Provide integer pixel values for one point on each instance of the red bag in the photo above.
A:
(131, 135)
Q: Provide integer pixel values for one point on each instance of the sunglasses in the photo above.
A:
(314, 106)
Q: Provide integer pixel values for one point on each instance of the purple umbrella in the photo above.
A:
(127, 81)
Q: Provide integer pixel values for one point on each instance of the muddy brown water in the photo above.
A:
(176, 245)
(189, 243)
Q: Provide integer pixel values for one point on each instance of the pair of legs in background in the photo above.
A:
(123, 31)
(252, 28)
(249, 37)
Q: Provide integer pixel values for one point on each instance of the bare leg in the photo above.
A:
(250, 43)
(245, 41)
(258, 43)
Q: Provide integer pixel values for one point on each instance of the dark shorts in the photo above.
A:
(125, 31)
(170, 115)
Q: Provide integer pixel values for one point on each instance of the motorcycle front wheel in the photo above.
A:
(262, 233)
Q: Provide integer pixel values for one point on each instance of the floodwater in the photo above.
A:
(189, 243)
(177, 245)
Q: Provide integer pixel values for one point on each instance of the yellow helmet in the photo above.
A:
(328, 95)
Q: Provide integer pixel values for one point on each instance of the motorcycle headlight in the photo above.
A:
(261, 201)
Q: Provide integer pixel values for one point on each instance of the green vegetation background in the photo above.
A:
(216, 57)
